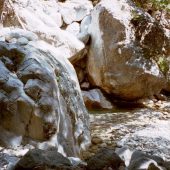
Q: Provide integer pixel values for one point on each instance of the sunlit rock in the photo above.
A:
(40, 99)
(73, 28)
(84, 29)
(125, 49)
(75, 10)
(44, 19)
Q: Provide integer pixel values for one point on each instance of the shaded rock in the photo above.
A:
(80, 74)
(104, 159)
(7, 161)
(145, 161)
(121, 56)
(167, 165)
(152, 166)
(139, 154)
(95, 99)
(39, 159)
(144, 164)
(96, 140)
(40, 99)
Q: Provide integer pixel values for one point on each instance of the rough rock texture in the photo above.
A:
(44, 19)
(95, 99)
(124, 43)
(104, 159)
(140, 160)
(40, 98)
(39, 159)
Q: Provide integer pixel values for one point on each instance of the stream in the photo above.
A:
(145, 128)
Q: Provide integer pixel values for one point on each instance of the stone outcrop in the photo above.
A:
(124, 51)
(40, 99)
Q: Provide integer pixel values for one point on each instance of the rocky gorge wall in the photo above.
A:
(117, 49)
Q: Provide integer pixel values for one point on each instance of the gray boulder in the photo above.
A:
(40, 99)
(124, 51)
(94, 99)
(39, 159)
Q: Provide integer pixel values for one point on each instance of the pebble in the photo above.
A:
(96, 140)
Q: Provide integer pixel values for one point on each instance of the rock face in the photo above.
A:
(40, 98)
(95, 99)
(125, 42)
(43, 18)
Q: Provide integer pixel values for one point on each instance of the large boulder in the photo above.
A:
(125, 51)
(40, 98)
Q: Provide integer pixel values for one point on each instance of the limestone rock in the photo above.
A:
(84, 30)
(44, 19)
(74, 28)
(122, 52)
(95, 99)
(40, 99)
(75, 10)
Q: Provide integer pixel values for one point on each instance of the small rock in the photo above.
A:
(85, 85)
(22, 41)
(96, 140)
(104, 158)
